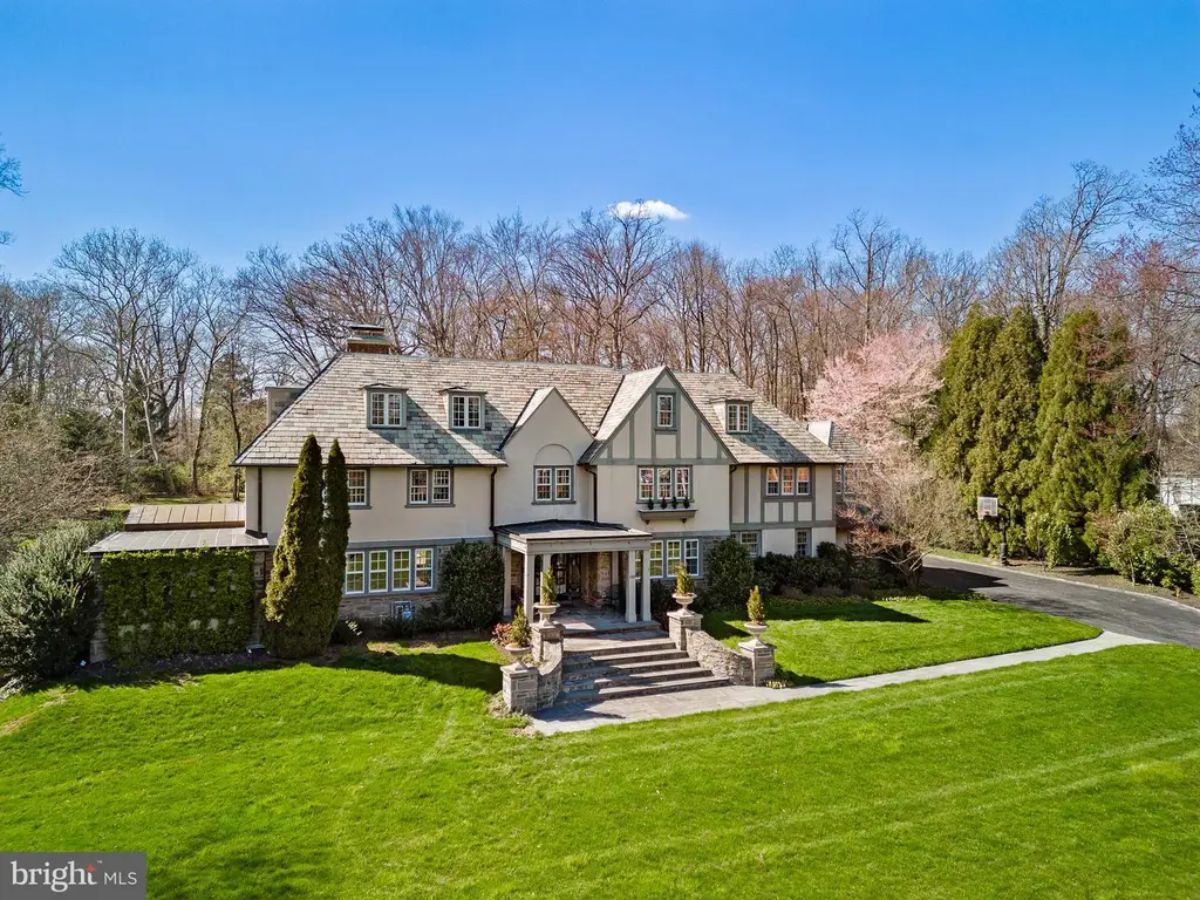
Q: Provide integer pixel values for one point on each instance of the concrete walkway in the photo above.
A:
(583, 717)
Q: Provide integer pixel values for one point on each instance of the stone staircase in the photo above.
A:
(627, 662)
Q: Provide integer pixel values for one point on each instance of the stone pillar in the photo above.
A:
(545, 633)
(631, 587)
(506, 552)
(528, 587)
(520, 687)
(679, 623)
(762, 660)
(646, 585)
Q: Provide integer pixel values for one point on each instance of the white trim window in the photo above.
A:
(441, 487)
(683, 482)
(356, 486)
(737, 417)
(803, 481)
(788, 481)
(772, 481)
(402, 569)
(646, 483)
(840, 481)
(385, 409)
(750, 540)
(377, 572)
(543, 477)
(803, 542)
(664, 410)
(423, 569)
(691, 556)
(466, 412)
(355, 582)
(665, 482)
(656, 559)
(564, 484)
(674, 555)
(418, 487)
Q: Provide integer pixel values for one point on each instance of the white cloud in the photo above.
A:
(647, 209)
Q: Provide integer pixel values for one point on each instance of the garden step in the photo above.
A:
(616, 648)
(642, 690)
(683, 673)
(581, 670)
(660, 654)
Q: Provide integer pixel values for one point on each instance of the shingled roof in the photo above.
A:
(334, 406)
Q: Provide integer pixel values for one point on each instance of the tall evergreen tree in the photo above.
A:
(335, 533)
(296, 622)
(1007, 434)
(960, 399)
(1090, 457)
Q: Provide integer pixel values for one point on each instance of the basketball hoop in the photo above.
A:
(987, 508)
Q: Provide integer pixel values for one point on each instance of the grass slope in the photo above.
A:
(824, 639)
(383, 776)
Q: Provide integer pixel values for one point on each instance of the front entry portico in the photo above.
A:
(614, 549)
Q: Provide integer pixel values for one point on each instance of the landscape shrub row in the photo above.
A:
(833, 566)
(159, 604)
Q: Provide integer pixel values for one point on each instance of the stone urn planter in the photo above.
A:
(755, 629)
(517, 651)
(684, 600)
(545, 611)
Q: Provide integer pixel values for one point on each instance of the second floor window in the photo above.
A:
(356, 482)
(385, 409)
(429, 486)
(466, 411)
(664, 407)
(788, 481)
(737, 417)
(664, 483)
(553, 484)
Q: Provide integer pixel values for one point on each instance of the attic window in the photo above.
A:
(737, 417)
(385, 409)
(466, 411)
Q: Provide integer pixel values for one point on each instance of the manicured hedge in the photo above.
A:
(833, 566)
(163, 603)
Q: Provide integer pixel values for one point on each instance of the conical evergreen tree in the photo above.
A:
(1090, 458)
(335, 533)
(1007, 435)
(960, 400)
(294, 614)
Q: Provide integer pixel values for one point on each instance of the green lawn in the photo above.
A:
(824, 639)
(384, 776)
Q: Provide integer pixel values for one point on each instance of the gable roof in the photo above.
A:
(334, 406)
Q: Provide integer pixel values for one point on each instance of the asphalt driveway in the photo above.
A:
(1138, 615)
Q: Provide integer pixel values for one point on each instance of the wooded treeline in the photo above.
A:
(140, 364)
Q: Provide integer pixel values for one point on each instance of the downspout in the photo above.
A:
(258, 492)
(595, 494)
(492, 506)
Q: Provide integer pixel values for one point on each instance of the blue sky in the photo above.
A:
(223, 126)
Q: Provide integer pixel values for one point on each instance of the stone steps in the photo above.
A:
(629, 663)
(667, 660)
(627, 689)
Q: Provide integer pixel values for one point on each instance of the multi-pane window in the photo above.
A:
(656, 559)
(788, 481)
(772, 481)
(691, 556)
(402, 569)
(385, 409)
(422, 568)
(646, 483)
(354, 573)
(466, 411)
(803, 542)
(674, 555)
(377, 571)
(543, 477)
(737, 417)
(664, 407)
(356, 482)
(749, 540)
(665, 482)
(429, 486)
(441, 486)
(564, 483)
(841, 484)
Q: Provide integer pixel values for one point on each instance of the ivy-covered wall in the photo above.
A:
(159, 604)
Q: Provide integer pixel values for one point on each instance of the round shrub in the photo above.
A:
(730, 574)
(47, 604)
(472, 585)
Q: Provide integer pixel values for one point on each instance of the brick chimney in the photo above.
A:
(365, 338)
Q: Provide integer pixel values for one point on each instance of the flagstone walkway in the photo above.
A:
(585, 716)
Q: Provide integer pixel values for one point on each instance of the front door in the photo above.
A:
(568, 576)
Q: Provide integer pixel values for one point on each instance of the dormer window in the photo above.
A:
(737, 417)
(466, 412)
(385, 409)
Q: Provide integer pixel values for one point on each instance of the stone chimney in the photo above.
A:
(365, 338)
(822, 430)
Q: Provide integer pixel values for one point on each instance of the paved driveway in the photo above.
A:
(1138, 615)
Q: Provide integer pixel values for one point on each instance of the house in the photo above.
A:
(1179, 493)
(608, 478)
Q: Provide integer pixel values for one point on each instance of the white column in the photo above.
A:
(506, 552)
(545, 558)
(645, 585)
(527, 602)
(630, 587)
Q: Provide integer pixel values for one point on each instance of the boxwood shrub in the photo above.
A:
(159, 604)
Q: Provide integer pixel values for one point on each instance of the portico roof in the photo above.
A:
(566, 536)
